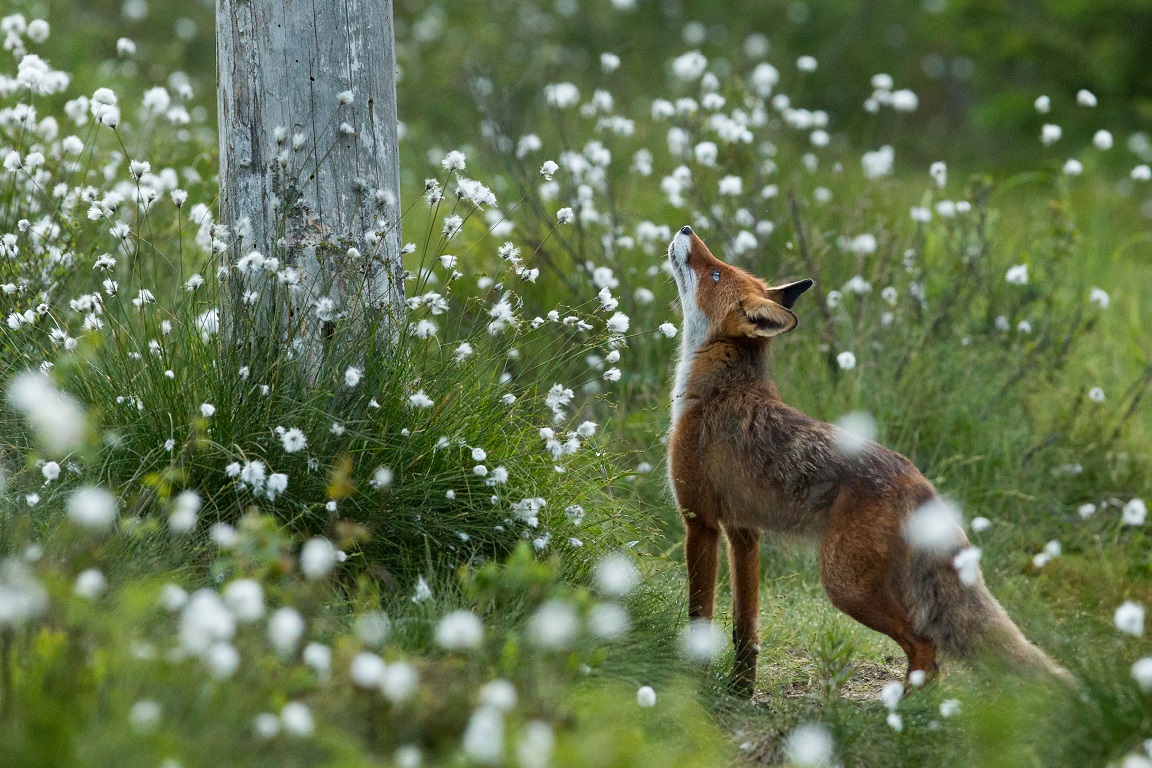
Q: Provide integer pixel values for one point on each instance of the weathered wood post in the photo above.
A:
(309, 170)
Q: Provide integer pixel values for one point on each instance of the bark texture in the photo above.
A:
(304, 179)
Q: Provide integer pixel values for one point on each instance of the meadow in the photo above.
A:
(461, 549)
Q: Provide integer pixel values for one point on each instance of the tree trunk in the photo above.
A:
(304, 177)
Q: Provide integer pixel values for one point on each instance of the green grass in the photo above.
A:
(993, 417)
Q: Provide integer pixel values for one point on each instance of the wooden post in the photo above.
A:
(309, 170)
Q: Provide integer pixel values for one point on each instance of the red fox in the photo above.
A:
(742, 462)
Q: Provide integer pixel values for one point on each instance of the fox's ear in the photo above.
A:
(765, 317)
(786, 295)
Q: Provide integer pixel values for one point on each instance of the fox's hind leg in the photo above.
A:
(744, 565)
(860, 573)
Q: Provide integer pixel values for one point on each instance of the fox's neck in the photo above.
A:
(710, 365)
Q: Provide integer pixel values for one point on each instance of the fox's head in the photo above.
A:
(722, 301)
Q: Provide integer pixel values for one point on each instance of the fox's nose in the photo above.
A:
(686, 230)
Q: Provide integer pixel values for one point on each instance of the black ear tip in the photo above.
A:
(805, 284)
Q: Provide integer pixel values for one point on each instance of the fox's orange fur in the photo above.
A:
(742, 462)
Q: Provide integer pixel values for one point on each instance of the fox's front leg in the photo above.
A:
(700, 542)
(744, 564)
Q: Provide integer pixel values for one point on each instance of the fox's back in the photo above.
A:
(776, 468)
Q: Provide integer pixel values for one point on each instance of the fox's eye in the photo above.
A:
(715, 275)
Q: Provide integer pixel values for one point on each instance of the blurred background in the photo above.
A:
(976, 66)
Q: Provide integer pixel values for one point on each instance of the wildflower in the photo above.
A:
(245, 599)
(904, 100)
(939, 172)
(1050, 134)
(878, 162)
(423, 591)
(1085, 98)
(420, 400)
(701, 641)
(561, 95)
(967, 565)
(381, 478)
(1102, 139)
(934, 526)
(548, 169)
(399, 682)
(373, 628)
(554, 625)
(1141, 173)
(564, 216)
(319, 657)
(1043, 104)
(91, 507)
(296, 718)
(645, 696)
(1073, 168)
(980, 524)
(459, 630)
(616, 573)
(1086, 510)
(207, 410)
(344, 98)
(668, 329)
(1096, 395)
(90, 584)
(1142, 673)
(618, 323)
(205, 621)
(144, 715)
(809, 745)
(689, 66)
(56, 418)
(285, 628)
(731, 185)
(483, 740)
(806, 64)
(1134, 512)
(317, 558)
(266, 726)
(1099, 297)
(1017, 275)
(706, 153)
(50, 471)
(352, 376)
(1129, 618)
(367, 670)
(185, 509)
(856, 431)
(846, 361)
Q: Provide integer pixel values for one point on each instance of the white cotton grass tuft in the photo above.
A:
(244, 598)
(1135, 512)
(846, 360)
(56, 418)
(373, 628)
(1142, 673)
(967, 565)
(1129, 618)
(536, 744)
(459, 631)
(483, 740)
(93, 508)
(617, 575)
(646, 696)
(856, 431)
(285, 629)
(498, 694)
(702, 641)
(296, 719)
(935, 526)
(317, 558)
(810, 746)
(554, 625)
(185, 509)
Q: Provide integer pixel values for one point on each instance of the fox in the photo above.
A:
(742, 462)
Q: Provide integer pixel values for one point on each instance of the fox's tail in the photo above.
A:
(967, 621)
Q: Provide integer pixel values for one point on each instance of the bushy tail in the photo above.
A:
(967, 621)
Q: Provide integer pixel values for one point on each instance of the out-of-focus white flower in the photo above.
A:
(56, 417)
(701, 641)
(92, 507)
(1043, 104)
(617, 575)
(498, 694)
(1129, 618)
(1134, 512)
(934, 526)
(967, 565)
(806, 64)
(245, 599)
(980, 524)
(1050, 134)
(1096, 395)
(646, 696)
(296, 719)
(483, 740)
(459, 630)
(1073, 167)
(285, 628)
(846, 360)
(554, 625)
(1142, 673)
(809, 746)
(90, 584)
(856, 431)
(1017, 275)
(1085, 98)
(1102, 139)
